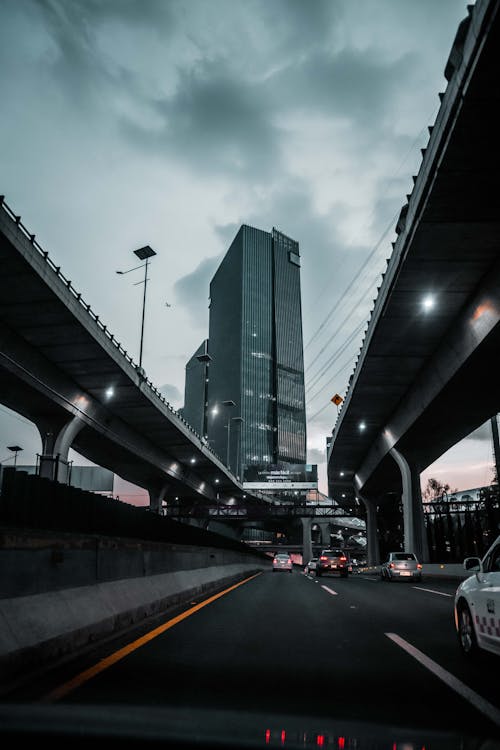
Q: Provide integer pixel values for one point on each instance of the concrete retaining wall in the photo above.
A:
(46, 618)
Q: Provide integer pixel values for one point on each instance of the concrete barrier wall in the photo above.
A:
(37, 562)
(59, 593)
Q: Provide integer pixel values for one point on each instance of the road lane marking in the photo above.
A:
(85, 676)
(487, 708)
(330, 591)
(432, 591)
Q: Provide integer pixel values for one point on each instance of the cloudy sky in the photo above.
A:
(173, 122)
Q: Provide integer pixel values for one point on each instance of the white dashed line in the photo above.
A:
(330, 591)
(431, 591)
(487, 708)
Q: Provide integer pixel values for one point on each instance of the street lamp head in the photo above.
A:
(229, 403)
(14, 448)
(144, 252)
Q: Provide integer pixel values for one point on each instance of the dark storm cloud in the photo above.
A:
(296, 23)
(350, 84)
(81, 66)
(191, 291)
(222, 118)
(215, 122)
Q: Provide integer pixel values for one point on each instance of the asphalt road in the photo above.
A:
(350, 650)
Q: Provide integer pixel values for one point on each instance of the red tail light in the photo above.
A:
(419, 566)
(323, 558)
(391, 565)
(342, 559)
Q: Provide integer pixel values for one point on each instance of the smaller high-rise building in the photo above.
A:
(194, 410)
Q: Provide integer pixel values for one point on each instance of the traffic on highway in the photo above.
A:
(272, 647)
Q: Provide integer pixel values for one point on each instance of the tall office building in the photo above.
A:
(256, 400)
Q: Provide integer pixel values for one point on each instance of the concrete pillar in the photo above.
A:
(414, 533)
(156, 499)
(372, 543)
(56, 442)
(324, 527)
(306, 540)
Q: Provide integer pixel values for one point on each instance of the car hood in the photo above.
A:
(189, 729)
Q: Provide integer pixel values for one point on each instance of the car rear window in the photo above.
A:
(404, 556)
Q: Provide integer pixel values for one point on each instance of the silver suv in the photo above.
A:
(401, 565)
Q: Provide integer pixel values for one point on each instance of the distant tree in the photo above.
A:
(434, 489)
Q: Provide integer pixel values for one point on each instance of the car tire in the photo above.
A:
(466, 634)
(318, 574)
(344, 575)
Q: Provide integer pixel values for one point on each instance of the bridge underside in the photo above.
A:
(425, 381)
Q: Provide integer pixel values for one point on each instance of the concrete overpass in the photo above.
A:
(61, 368)
(427, 376)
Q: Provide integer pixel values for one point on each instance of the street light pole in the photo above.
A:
(240, 420)
(228, 403)
(143, 253)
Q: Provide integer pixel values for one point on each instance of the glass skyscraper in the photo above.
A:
(255, 397)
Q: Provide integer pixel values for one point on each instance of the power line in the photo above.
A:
(354, 279)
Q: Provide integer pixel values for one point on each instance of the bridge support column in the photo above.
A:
(414, 533)
(56, 442)
(372, 543)
(156, 499)
(306, 540)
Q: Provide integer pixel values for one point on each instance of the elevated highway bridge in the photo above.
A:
(62, 369)
(427, 372)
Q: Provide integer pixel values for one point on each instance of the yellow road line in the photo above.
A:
(87, 675)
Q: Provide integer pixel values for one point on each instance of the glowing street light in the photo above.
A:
(428, 302)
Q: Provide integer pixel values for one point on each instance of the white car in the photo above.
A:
(401, 566)
(477, 604)
(282, 561)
